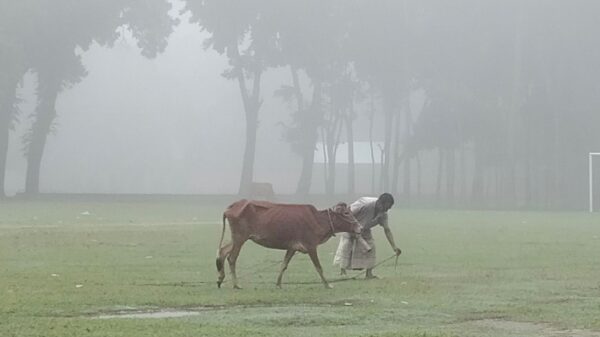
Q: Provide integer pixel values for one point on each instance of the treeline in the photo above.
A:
(511, 90)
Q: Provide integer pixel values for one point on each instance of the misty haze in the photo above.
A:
(480, 118)
(459, 103)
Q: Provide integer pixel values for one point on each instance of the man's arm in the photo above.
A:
(388, 232)
(390, 238)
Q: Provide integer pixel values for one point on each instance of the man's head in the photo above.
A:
(384, 202)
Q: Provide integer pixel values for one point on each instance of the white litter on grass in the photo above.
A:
(78, 285)
(348, 304)
(148, 257)
(54, 275)
(403, 302)
(85, 213)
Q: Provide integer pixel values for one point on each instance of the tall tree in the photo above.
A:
(14, 32)
(378, 53)
(67, 25)
(313, 39)
(242, 31)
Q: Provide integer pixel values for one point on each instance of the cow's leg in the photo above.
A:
(315, 260)
(288, 256)
(221, 255)
(232, 258)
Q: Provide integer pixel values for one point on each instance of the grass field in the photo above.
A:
(74, 268)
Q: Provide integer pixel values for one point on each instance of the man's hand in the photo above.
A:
(397, 251)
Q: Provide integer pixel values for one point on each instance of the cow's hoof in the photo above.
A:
(278, 286)
(328, 286)
(219, 284)
(237, 287)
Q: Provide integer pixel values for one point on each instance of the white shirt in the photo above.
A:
(363, 210)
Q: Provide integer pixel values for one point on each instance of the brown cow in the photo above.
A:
(282, 226)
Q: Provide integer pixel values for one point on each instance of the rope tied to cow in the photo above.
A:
(330, 221)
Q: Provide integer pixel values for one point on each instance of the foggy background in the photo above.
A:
(461, 103)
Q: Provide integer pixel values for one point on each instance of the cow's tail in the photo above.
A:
(219, 260)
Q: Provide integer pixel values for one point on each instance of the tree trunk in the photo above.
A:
(7, 101)
(396, 156)
(460, 176)
(371, 122)
(419, 174)
(5, 116)
(351, 166)
(330, 182)
(330, 175)
(251, 103)
(332, 138)
(408, 155)
(440, 173)
(388, 128)
(528, 166)
(497, 186)
(308, 149)
(46, 113)
(251, 107)
(477, 186)
(249, 152)
(450, 175)
(308, 160)
(297, 89)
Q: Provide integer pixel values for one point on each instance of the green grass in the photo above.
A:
(461, 274)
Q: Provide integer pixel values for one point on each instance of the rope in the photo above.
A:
(364, 271)
(330, 222)
(348, 278)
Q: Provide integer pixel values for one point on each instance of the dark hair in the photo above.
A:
(387, 198)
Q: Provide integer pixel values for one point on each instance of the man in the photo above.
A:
(369, 212)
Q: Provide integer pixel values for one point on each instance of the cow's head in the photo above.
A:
(344, 220)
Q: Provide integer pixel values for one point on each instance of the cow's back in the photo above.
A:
(235, 211)
(274, 225)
